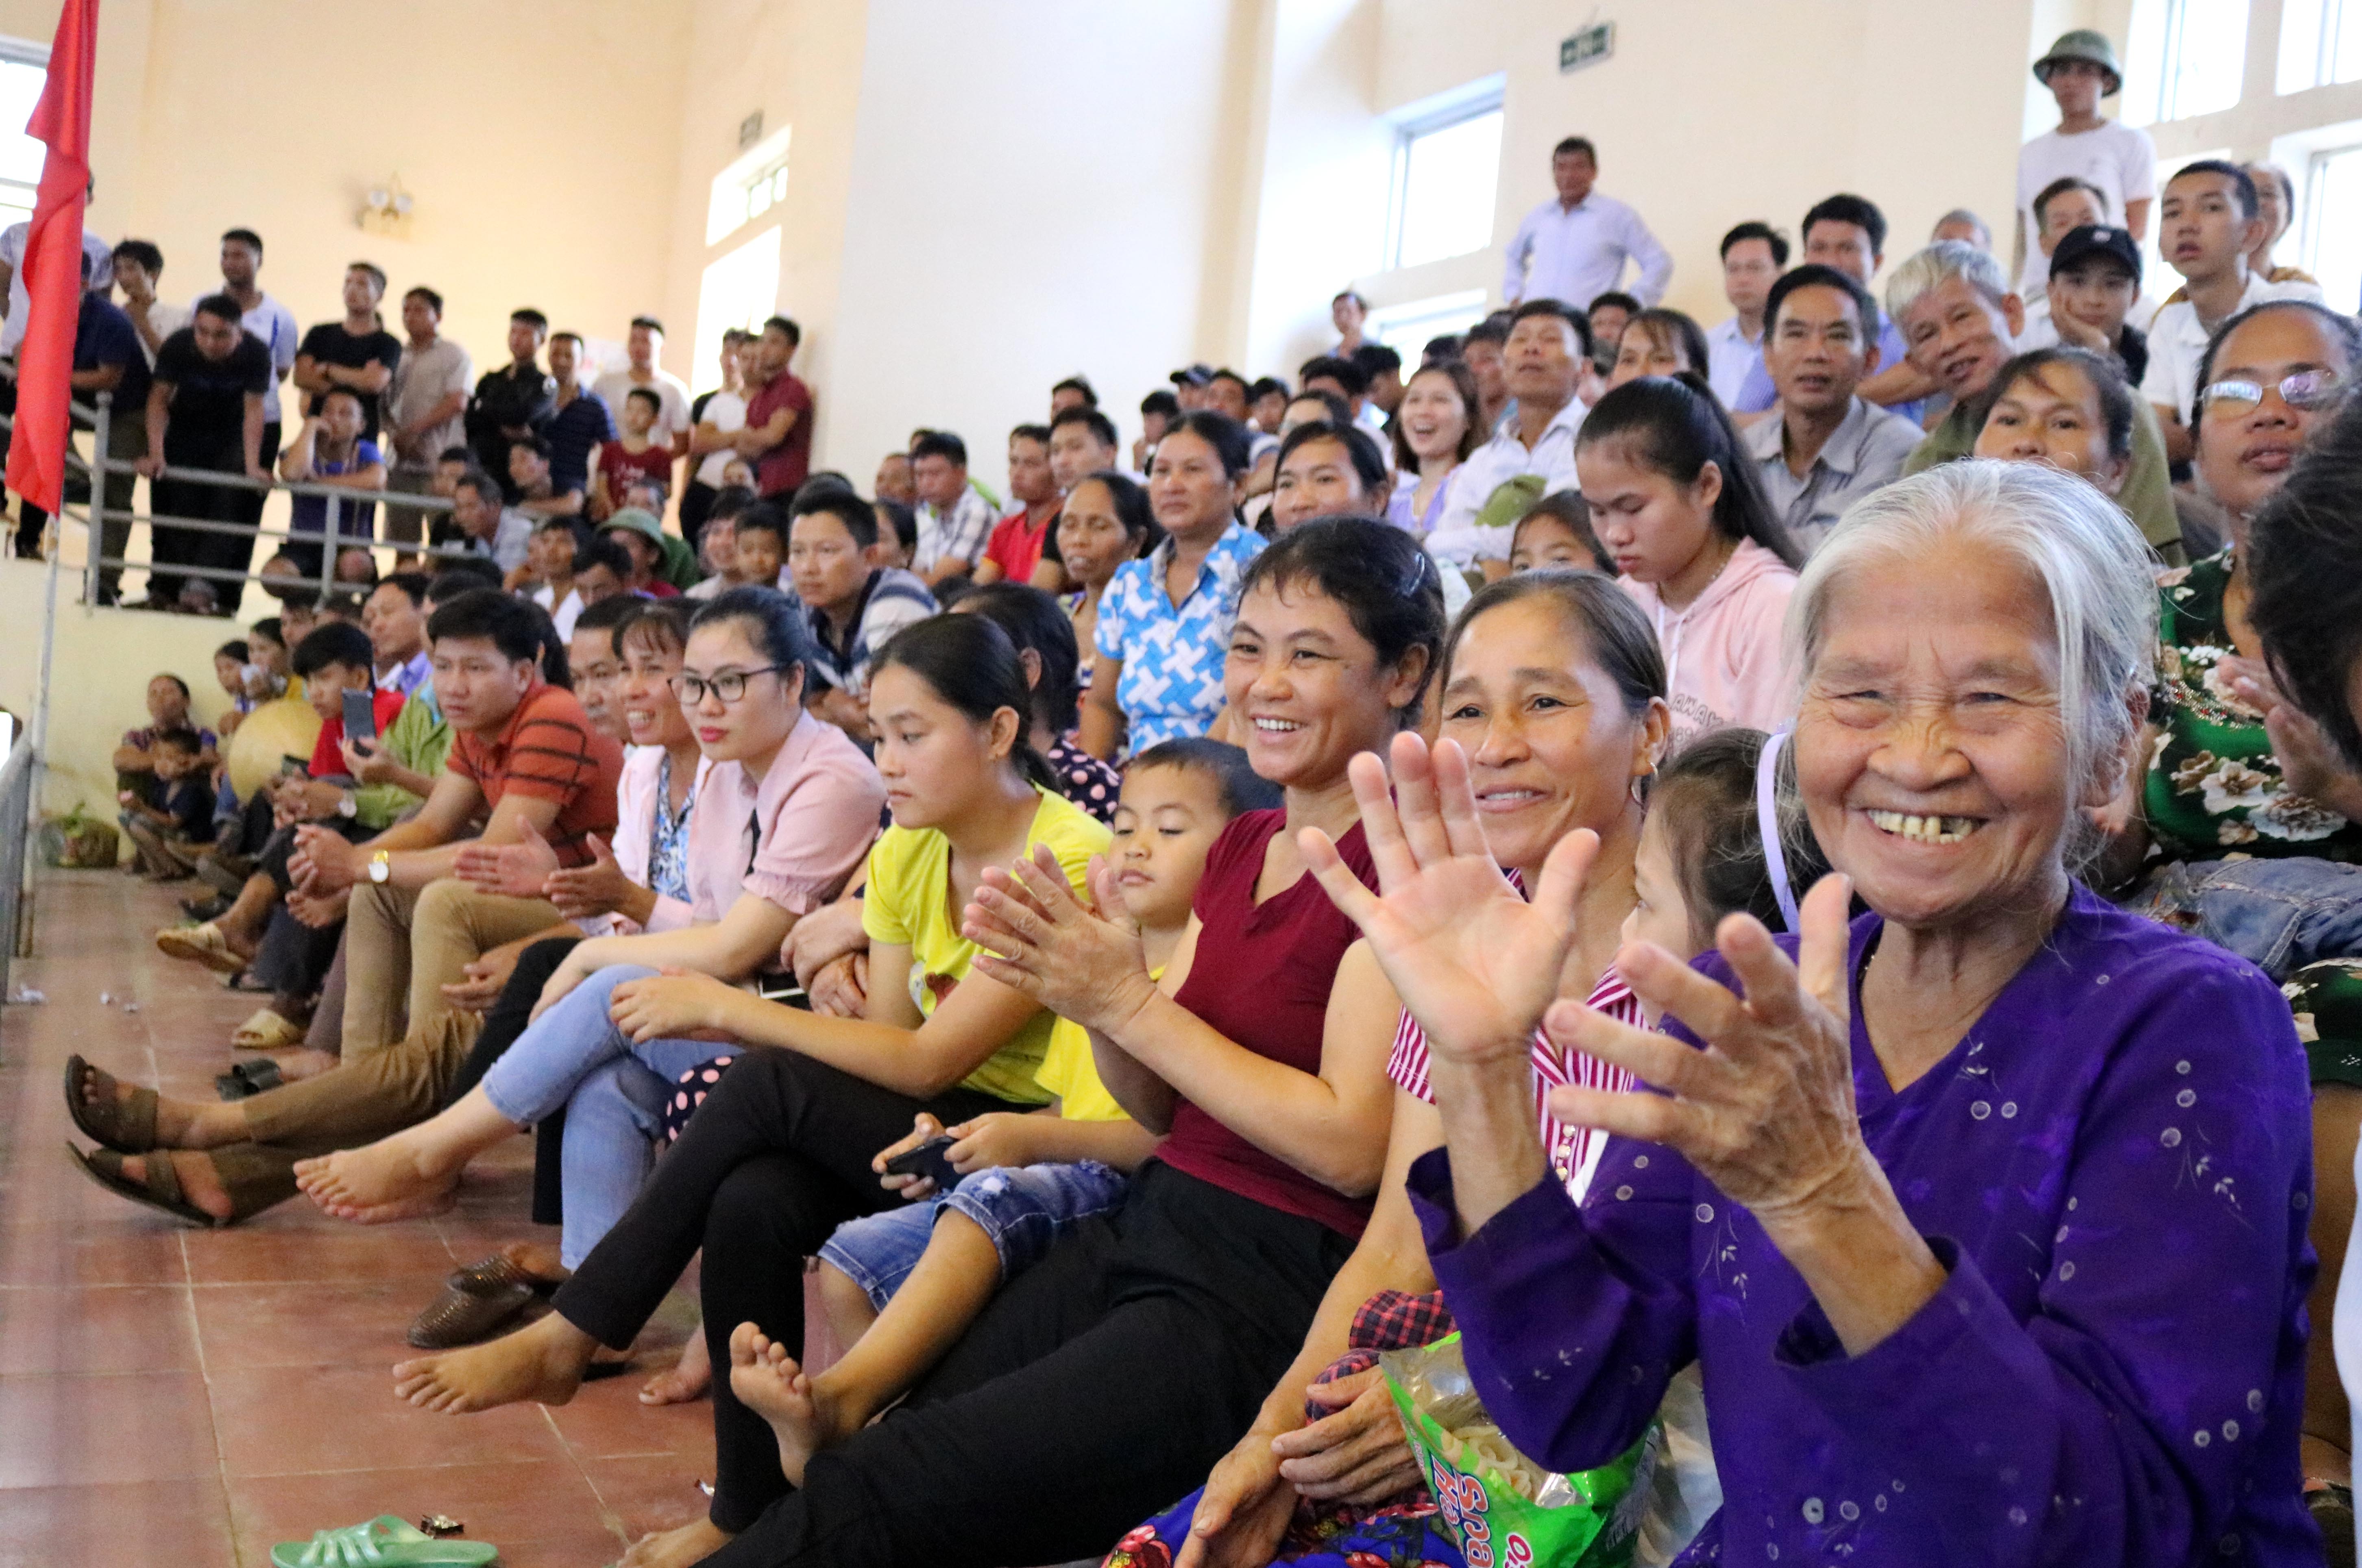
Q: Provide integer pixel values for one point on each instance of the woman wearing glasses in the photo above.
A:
(2247, 826)
(783, 814)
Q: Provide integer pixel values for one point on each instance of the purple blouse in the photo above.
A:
(2114, 1167)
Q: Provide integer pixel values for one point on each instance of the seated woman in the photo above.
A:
(1190, 1300)
(1660, 342)
(1105, 523)
(2066, 407)
(1164, 620)
(2238, 822)
(1904, 1204)
(1675, 500)
(1328, 470)
(808, 799)
(1044, 640)
(1437, 425)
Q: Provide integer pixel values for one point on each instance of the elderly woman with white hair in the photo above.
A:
(1984, 1212)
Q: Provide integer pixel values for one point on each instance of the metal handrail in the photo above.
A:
(16, 853)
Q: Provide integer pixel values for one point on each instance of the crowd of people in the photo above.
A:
(1794, 884)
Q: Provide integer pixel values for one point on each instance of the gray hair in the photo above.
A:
(2089, 557)
(1938, 264)
(1962, 215)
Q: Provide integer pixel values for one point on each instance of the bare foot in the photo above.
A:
(676, 1547)
(174, 1118)
(686, 1379)
(542, 1361)
(391, 1170)
(537, 1260)
(200, 1182)
(426, 1206)
(769, 1383)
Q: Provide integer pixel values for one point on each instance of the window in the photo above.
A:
(1405, 328)
(20, 156)
(2320, 42)
(2333, 223)
(740, 289)
(754, 182)
(2184, 57)
(1447, 170)
(2158, 278)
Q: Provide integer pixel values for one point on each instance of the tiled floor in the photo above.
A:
(170, 1395)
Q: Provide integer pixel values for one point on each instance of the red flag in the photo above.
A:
(53, 262)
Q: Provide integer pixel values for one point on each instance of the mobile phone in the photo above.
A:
(361, 716)
(295, 767)
(930, 1160)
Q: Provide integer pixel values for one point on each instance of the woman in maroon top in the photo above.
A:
(1102, 1384)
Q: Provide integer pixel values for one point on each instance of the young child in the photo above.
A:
(636, 455)
(1556, 532)
(902, 1286)
(759, 546)
(171, 821)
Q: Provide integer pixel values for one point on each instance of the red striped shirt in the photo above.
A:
(1572, 1150)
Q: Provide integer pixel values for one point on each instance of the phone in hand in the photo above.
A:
(361, 716)
(930, 1159)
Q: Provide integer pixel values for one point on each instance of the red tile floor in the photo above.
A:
(171, 1395)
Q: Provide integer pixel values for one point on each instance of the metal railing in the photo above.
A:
(16, 855)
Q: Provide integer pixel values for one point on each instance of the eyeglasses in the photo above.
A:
(730, 686)
(2306, 390)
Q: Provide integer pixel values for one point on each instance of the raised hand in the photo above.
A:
(1472, 962)
(519, 870)
(1040, 939)
(1766, 1110)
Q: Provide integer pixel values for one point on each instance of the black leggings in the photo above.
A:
(1094, 1390)
(504, 1022)
(775, 1160)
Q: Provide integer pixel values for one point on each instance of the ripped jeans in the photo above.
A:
(2278, 914)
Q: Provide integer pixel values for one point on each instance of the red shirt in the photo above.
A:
(328, 760)
(1018, 547)
(785, 466)
(623, 466)
(548, 751)
(1261, 976)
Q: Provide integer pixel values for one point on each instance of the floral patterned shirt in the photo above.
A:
(2214, 783)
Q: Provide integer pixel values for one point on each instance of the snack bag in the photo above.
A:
(79, 840)
(1507, 1511)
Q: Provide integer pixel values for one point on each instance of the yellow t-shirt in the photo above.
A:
(1072, 1075)
(908, 904)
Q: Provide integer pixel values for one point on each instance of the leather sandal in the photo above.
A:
(254, 1179)
(124, 1125)
(478, 1302)
(247, 1080)
(200, 945)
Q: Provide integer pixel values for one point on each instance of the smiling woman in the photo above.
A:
(1902, 1204)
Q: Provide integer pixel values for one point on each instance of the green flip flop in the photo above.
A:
(384, 1542)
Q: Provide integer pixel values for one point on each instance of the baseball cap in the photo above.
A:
(2097, 240)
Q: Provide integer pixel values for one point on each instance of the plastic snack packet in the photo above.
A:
(1507, 1511)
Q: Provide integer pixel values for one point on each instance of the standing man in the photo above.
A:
(580, 420)
(642, 344)
(108, 357)
(138, 264)
(1346, 313)
(357, 353)
(1753, 256)
(205, 411)
(1572, 249)
(425, 408)
(514, 401)
(1549, 346)
(2080, 71)
(1828, 447)
(778, 437)
(714, 417)
(268, 322)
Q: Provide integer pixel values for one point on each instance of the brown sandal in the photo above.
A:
(478, 1302)
(124, 1125)
(255, 1180)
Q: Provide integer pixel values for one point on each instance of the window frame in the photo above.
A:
(1448, 112)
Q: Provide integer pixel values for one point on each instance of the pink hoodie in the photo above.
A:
(1722, 654)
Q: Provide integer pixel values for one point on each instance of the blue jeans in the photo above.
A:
(1021, 1208)
(612, 1092)
(2278, 914)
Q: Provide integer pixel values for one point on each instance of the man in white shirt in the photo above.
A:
(643, 344)
(2080, 71)
(2209, 221)
(1963, 226)
(426, 405)
(502, 535)
(1548, 347)
(2066, 204)
(137, 266)
(99, 275)
(1753, 256)
(1573, 248)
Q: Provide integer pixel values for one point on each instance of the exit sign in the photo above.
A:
(1589, 47)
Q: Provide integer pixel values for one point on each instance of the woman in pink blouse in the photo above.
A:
(785, 813)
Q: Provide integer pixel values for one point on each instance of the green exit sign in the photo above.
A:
(1589, 47)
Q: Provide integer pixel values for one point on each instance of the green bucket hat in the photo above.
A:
(638, 520)
(2085, 44)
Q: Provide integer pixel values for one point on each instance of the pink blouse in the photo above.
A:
(793, 837)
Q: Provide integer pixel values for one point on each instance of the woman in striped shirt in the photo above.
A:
(1553, 684)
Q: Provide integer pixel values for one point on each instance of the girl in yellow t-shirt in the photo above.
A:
(901, 1287)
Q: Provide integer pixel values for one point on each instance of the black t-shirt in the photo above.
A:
(331, 343)
(208, 407)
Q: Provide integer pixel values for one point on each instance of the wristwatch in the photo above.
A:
(347, 805)
(381, 866)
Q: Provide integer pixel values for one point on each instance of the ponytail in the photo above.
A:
(1674, 426)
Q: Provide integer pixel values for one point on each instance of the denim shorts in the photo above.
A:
(1023, 1208)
